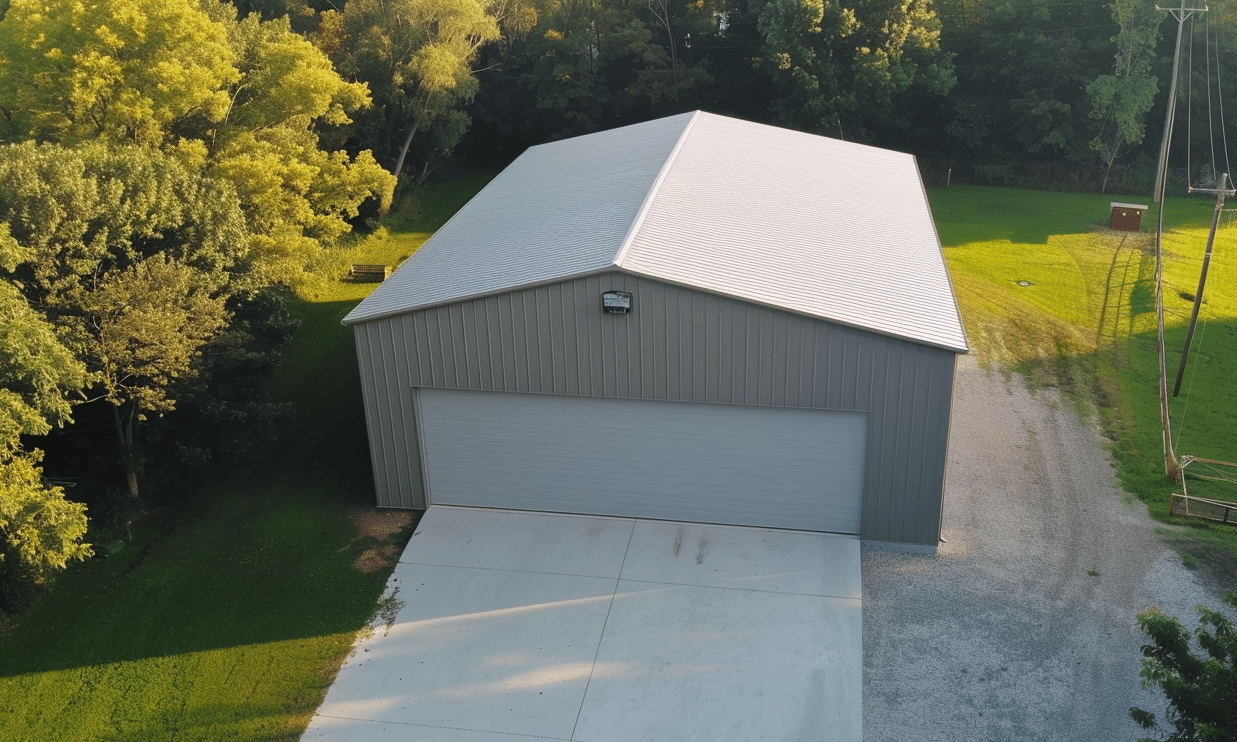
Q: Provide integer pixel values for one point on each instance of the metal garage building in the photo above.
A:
(695, 318)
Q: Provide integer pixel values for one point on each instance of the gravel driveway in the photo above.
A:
(1022, 626)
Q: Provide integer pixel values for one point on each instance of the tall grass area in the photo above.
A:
(229, 609)
(1047, 290)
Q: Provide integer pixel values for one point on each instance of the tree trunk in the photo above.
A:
(128, 448)
(403, 151)
(661, 11)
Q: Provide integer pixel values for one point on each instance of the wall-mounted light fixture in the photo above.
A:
(616, 302)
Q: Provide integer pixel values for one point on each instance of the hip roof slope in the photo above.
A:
(817, 226)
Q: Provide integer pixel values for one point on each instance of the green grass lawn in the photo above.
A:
(226, 616)
(1047, 290)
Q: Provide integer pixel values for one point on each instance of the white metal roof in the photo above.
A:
(813, 225)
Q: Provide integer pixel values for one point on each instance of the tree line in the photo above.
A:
(1068, 94)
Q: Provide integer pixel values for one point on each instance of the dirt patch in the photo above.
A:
(379, 524)
(383, 526)
(374, 559)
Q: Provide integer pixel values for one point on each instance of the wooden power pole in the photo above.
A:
(1221, 193)
(1171, 466)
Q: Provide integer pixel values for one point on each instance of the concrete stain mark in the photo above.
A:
(678, 541)
(704, 548)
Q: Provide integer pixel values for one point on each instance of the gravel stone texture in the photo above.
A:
(1023, 625)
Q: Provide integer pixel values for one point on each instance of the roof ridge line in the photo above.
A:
(652, 194)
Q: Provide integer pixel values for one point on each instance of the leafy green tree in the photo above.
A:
(126, 70)
(845, 66)
(86, 211)
(1121, 100)
(132, 256)
(416, 56)
(1200, 688)
(588, 65)
(1022, 73)
(227, 413)
(148, 325)
(241, 99)
(40, 531)
(296, 195)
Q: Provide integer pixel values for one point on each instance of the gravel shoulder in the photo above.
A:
(1023, 625)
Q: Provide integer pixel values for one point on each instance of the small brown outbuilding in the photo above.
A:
(1126, 217)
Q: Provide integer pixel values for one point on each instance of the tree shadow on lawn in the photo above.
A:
(261, 554)
(239, 567)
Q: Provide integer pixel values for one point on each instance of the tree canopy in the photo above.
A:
(161, 161)
(1199, 687)
(41, 530)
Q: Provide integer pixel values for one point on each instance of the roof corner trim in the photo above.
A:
(651, 196)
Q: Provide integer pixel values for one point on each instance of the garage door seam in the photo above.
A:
(602, 637)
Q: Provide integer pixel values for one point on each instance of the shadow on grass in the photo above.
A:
(260, 554)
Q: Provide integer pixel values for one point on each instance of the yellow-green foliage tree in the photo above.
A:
(40, 531)
(158, 158)
(236, 98)
(417, 55)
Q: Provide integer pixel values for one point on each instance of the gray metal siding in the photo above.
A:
(389, 416)
(677, 345)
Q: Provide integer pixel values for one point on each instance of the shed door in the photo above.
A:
(708, 463)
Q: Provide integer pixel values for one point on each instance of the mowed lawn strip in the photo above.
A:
(1086, 324)
(229, 610)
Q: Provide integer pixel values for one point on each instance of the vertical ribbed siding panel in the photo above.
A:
(878, 494)
(914, 418)
(918, 466)
(943, 369)
(676, 345)
(637, 350)
(725, 351)
(387, 398)
(710, 373)
(389, 343)
(374, 401)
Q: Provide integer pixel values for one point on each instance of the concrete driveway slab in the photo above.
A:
(481, 649)
(703, 663)
(524, 625)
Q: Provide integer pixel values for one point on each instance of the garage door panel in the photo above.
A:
(777, 467)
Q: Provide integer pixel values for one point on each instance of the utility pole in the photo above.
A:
(1171, 109)
(1221, 193)
(1171, 466)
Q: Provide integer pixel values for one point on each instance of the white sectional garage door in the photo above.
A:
(739, 465)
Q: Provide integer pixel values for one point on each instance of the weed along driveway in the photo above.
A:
(519, 625)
